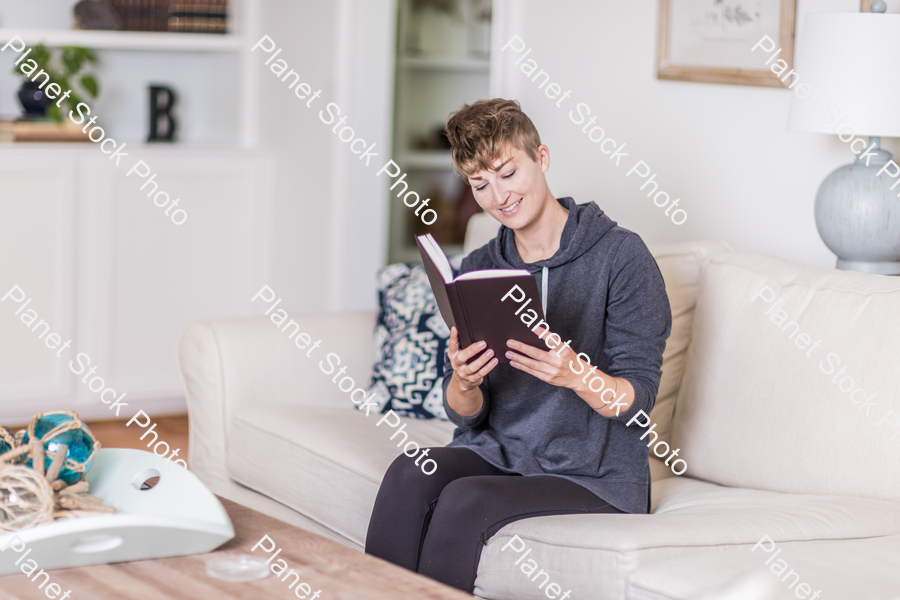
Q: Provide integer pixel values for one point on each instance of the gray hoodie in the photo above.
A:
(603, 290)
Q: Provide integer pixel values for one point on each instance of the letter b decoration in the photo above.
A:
(162, 123)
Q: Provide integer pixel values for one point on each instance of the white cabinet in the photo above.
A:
(37, 253)
(109, 270)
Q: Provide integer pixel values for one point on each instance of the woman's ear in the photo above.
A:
(544, 157)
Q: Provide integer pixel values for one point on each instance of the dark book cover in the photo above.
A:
(473, 302)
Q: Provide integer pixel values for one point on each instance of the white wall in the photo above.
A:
(330, 210)
(302, 188)
(360, 205)
(723, 149)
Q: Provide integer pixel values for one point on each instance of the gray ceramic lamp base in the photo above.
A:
(858, 216)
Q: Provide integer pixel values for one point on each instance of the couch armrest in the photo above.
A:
(227, 364)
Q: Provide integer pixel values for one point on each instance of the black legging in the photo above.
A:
(437, 524)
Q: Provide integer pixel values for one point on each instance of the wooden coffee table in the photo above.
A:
(341, 573)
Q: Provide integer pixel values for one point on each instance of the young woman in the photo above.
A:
(533, 438)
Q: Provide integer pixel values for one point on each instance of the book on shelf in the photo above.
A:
(40, 131)
(472, 302)
(210, 16)
(197, 16)
(142, 15)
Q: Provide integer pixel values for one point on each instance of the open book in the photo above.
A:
(473, 302)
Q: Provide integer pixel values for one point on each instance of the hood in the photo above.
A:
(585, 225)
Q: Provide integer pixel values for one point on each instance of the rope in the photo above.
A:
(26, 498)
(29, 496)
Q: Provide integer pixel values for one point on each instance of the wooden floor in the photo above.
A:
(114, 434)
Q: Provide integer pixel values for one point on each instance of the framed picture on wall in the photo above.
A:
(710, 41)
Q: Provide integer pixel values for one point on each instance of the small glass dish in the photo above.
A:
(237, 567)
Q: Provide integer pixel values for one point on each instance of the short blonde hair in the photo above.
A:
(480, 131)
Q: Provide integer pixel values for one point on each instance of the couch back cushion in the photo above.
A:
(791, 380)
(681, 265)
(480, 229)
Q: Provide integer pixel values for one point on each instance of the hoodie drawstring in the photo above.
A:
(544, 275)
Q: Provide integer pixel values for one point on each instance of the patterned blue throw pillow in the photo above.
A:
(411, 342)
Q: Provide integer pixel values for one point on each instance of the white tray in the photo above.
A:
(178, 516)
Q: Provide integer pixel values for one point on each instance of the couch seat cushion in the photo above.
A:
(864, 569)
(324, 462)
(593, 554)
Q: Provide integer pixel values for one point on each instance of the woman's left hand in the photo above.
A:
(551, 366)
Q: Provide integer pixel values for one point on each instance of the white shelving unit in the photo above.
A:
(157, 41)
(443, 63)
(131, 59)
(436, 73)
(427, 159)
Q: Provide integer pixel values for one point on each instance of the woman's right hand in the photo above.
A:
(469, 375)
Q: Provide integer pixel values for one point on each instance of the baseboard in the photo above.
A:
(155, 406)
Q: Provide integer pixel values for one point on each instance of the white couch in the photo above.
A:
(774, 447)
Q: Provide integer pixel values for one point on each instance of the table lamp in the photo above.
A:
(849, 63)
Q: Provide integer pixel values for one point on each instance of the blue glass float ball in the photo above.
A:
(80, 442)
(7, 440)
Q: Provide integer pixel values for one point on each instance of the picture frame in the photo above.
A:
(709, 41)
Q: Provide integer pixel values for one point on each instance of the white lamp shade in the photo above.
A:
(852, 61)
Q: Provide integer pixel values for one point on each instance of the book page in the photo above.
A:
(492, 274)
(437, 256)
